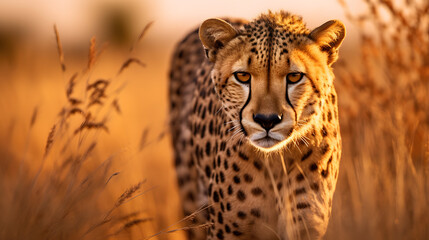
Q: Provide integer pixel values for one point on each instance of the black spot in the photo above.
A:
(329, 116)
(199, 108)
(219, 234)
(235, 167)
(257, 164)
(208, 148)
(237, 233)
(324, 132)
(241, 196)
(324, 149)
(210, 107)
(181, 54)
(190, 196)
(228, 206)
(222, 177)
(225, 164)
(203, 131)
(249, 61)
(255, 212)
(220, 218)
(211, 127)
(197, 150)
(299, 177)
(241, 215)
(243, 156)
(248, 178)
(230, 191)
(227, 228)
(300, 191)
(302, 205)
(221, 193)
(279, 185)
(313, 167)
(203, 114)
(210, 189)
(222, 146)
(201, 153)
(256, 191)
(307, 155)
(208, 171)
(325, 173)
(215, 196)
(315, 187)
(236, 179)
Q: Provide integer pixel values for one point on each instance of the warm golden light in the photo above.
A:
(85, 146)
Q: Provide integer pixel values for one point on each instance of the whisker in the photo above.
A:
(294, 142)
(236, 132)
(219, 110)
(230, 122)
(303, 139)
(233, 127)
(241, 139)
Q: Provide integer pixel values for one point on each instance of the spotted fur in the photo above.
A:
(262, 155)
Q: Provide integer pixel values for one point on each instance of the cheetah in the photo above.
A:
(254, 125)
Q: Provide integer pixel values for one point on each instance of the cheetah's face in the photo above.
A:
(270, 86)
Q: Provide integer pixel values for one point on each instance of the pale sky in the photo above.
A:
(75, 18)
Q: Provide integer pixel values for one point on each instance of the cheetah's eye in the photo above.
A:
(294, 77)
(243, 77)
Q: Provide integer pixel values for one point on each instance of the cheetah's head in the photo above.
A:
(272, 75)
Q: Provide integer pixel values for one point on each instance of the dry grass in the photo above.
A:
(383, 189)
(66, 194)
(81, 187)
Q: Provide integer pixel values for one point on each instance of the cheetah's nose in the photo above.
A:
(267, 121)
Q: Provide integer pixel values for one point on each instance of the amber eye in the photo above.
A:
(242, 77)
(294, 77)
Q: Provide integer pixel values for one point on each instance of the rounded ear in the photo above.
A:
(214, 34)
(329, 37)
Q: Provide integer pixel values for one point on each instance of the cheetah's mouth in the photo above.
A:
(265, 142)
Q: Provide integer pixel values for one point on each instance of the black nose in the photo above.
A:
(267, 121)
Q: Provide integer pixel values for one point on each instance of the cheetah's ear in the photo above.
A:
(214, 34)
(329, 37)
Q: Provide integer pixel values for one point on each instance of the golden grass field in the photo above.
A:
(85, 151)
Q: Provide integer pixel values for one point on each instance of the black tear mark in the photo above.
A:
(241, 110)
(290, 103)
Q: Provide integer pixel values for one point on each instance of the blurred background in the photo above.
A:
(84, 144)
